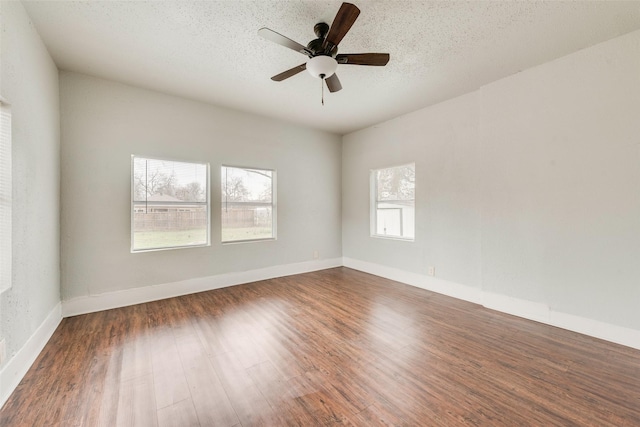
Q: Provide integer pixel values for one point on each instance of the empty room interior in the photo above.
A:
(271, 213)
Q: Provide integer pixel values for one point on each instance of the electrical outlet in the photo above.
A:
(431, 270)
(316, 255)
(3, 352)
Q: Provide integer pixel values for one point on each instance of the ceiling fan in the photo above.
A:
(323, 51)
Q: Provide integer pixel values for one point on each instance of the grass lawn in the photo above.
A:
(163, 239)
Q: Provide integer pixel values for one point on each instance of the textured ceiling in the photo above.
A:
(210, 50)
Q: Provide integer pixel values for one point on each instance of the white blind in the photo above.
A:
(5, 197)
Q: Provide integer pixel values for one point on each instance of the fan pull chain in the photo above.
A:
(322, 90)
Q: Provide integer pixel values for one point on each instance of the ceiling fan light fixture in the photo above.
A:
(322, 66)
(323, 51)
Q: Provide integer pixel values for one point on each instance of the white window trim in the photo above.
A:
(208, 204)
(274, 206)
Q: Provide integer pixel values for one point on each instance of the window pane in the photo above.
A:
(389, 221)
(393, 202)
(170, 204)
(247, 204)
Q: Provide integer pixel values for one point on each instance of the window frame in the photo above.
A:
(373, 205)
(207, 204)
(274, 204)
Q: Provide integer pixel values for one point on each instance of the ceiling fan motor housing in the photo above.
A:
(317, 46)
(321, 29)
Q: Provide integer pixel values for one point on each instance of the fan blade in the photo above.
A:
(282, 40)
(333, 83)
(378, 59)
(341, 24)
(289, 73)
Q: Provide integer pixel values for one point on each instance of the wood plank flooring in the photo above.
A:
(331, 347)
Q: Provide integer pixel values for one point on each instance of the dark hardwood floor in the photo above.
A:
(331, 347)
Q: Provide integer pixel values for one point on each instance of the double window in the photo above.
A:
(393, 202)
(170, 204)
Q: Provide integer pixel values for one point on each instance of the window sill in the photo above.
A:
(402, 239)
(137, 251)
(233, 242)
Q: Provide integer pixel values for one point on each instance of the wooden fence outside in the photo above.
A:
(169, 221)
(238, 218)
(189, 220)
(243, 218)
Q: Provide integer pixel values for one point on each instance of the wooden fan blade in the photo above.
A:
(289, 73)
(282, 40)
(333, 83)
(378, 59)
(341, 24)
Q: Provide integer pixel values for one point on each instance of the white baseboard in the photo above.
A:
(606, 331)
(518, 307)
(17, 367)
(109, 300)
(429, 283)
(543, 314)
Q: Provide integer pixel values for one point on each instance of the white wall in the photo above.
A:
(29, 82)
(104, 122)
(442, 141)
(528, 190)
(561, 184)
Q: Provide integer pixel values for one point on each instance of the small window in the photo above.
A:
(170, 204)
(5, 196)
(248, 204)
(393, 202)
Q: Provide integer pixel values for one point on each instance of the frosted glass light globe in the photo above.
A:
(322, 66)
